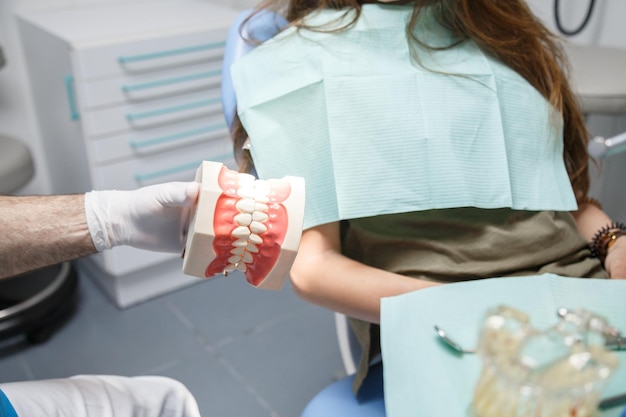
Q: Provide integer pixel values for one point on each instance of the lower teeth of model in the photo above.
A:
(249, 222)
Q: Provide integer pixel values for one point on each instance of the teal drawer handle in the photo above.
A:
(170, 81)
(226, 157)
(71, 99)
(171, 52)
(168, 171)
(173, 109)
(178, 136)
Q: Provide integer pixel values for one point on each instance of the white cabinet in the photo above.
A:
(128, 95)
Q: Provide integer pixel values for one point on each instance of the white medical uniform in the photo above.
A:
(101, 396)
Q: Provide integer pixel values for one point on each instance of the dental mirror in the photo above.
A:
(451, 343)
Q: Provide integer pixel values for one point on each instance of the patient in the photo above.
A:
(439, 140)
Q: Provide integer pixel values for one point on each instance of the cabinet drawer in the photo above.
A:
(138, 88)
(164, 139)
(148, 115)
(123, 260)
(164, 167)
(138, 57)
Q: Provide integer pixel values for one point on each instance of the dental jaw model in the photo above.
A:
(244, 224)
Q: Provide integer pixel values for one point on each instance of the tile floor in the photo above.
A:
(241, 351)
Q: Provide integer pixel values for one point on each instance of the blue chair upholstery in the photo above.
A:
(337, 399)
(260, 27)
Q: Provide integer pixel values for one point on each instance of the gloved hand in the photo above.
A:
(155, 217)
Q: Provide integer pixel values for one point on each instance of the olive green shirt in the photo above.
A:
(463, 244)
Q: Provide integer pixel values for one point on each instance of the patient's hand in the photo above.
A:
(615, 262)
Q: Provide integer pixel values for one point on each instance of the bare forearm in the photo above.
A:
(41, 230)
(589, 219)
(350, 287)
(323, 276)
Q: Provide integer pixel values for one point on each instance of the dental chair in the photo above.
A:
(338, 399)
(34, 304)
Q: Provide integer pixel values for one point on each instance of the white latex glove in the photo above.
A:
(153, 217)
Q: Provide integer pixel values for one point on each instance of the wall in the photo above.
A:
(606, 28)
(17, 117)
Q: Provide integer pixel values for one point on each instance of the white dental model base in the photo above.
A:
(244, 224)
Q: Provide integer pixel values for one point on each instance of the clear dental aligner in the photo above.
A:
(558, 372)
(245, 224)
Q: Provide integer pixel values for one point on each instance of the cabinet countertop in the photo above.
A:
(89, 26)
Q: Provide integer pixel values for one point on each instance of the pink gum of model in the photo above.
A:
(233, 231)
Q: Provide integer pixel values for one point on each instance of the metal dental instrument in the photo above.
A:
(613, 342)
(613, 339)
(614, 401)
(451, 343)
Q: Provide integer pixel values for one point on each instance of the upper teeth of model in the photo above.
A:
(253, 194)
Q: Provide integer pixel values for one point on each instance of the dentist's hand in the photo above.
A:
(154, 217)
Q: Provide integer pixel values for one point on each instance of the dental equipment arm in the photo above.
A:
(43, 230)
(600, 147)
(323, 276)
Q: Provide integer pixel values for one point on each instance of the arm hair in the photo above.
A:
(38, 231)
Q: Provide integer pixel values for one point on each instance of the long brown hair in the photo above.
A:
(509, 31)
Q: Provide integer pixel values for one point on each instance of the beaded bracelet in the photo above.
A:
(605, 238)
